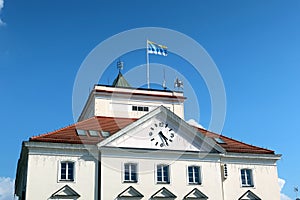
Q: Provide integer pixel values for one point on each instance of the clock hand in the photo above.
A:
(163, 137)
(166, 141)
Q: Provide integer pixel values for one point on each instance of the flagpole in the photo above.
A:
(148, 70)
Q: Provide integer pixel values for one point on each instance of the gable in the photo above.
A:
(249, 196)
(196, 194)
(163, 193)
(161, 129)
(130, 193)
(65, 192)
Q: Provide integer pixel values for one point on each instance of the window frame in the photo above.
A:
(194, 177)
(130, 172)
(168, 181)
(67, 171)
(246, 184)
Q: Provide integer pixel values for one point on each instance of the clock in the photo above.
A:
(161, 135)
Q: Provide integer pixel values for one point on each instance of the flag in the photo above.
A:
(157, 49)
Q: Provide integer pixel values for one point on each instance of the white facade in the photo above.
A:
(43, 172)
(158, 156)
(213, 185)
(119, 102)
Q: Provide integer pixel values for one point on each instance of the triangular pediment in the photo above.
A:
(163, 193)
(161, 129)
(249, 196)
(65, 192)
(196, 194)
(130, 192)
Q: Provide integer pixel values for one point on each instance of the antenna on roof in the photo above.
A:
(120, 65)
(296, 191)
(164, 81)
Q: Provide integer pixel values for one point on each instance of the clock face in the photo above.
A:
(161, 135)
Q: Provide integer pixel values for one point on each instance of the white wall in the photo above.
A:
(123, 108)
(112, 183)
(117, 102)
(265, 176)
(43, 175)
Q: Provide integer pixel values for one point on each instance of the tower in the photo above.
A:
(122, 100)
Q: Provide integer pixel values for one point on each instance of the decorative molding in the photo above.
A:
(64, 192)
(249, 196)
(130, 192)
(163, 193)
(195, 194)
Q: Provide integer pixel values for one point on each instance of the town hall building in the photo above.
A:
(134, 144)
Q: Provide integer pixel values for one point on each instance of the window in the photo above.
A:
(246, 177)
(140, 108)
(134, 108)
(67, 171)
(94, 133)
(162, 174)
(194, 175)
(81, 132)
(105, 133)
(220, 140)
(130, 172)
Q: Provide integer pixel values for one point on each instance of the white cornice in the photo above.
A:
(252, 156)
(52, 145)
(45, 148)
(170, 155)
(173, 155)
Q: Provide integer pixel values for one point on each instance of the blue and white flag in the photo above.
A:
(157, 49)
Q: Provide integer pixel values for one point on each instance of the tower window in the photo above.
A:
(140, 108)
(134, 108)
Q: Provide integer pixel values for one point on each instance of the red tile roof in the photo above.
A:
(69, 135)
(112, 125)
(234, 146)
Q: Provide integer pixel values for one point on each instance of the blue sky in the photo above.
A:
(255, 45)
